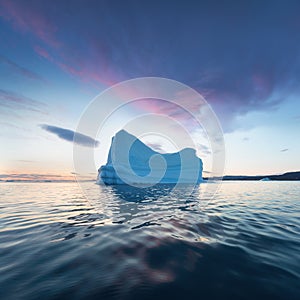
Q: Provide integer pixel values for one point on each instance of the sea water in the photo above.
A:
(118, 244)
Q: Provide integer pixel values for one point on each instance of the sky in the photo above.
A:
(56, 56)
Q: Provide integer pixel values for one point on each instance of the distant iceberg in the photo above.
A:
(265, 179)
(131, 162)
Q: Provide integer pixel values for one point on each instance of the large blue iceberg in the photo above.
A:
(131, 162)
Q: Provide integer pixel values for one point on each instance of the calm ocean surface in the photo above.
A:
(243, 244)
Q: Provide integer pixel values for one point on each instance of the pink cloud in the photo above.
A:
(89, 65)
(42, 52)
(27, 19)
(262, 84)
(85, 74)
(76, 68)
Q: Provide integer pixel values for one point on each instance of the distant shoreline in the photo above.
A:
(289, 176)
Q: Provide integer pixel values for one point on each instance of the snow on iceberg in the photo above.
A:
(132, 162)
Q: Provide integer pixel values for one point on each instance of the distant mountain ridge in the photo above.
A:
(282, 177)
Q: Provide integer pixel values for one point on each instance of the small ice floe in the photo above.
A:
(265, 179)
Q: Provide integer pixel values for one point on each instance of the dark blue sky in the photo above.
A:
(243, 56)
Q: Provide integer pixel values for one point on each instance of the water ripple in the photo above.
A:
(243, 244)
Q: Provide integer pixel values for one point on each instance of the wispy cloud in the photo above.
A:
(71, 136)
(204, 149)
(183, 115)
(29, 19)
(13, 100)
(156, 146)
(35, 177)
(37, 20)
(21, 70)
(42, 52)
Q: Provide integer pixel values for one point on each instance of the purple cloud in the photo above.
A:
(27, 17)
(156, 146)
(21, 70)
(13, 100)
(236, 63)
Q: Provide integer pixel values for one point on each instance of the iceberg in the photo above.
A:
(265, 179)
(132, 162)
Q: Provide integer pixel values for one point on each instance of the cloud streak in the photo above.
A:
(14, 101)
(156, 146)
(71, 136)
(21, 70)
(29, 19)
(34, 177)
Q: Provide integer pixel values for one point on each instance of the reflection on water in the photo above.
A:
(125, 243)
(134, 194)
